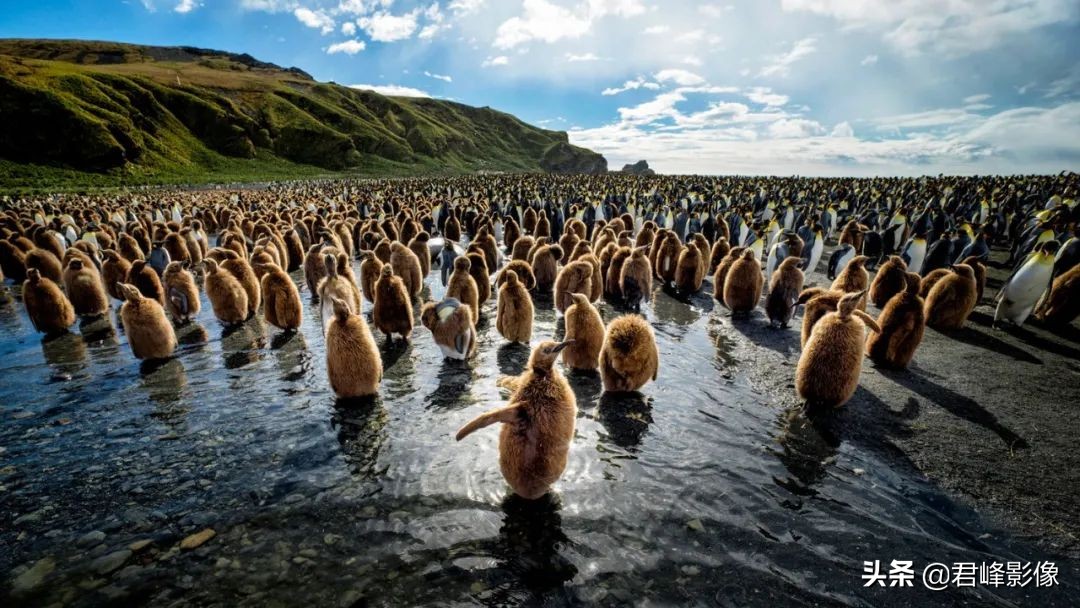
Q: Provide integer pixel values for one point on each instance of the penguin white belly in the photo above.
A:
(451, 353)
(770, 265)
(918, 254)
(815, 255)
(326, 308)
(1023, 291)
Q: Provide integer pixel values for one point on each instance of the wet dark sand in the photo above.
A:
(991, 415)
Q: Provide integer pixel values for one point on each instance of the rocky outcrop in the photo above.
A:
(639, 168)
(562, 157)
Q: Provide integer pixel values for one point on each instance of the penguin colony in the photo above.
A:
(922, 262)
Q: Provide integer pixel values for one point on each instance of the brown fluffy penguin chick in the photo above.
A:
(722, 269)
(243, 272)
(149, 333)
(629, 357)
(585, 331)
(479, 272)
(521, 249)
(370, 271)
(742, 286)
(452, 327)
(353, 363)
(817, 302)
(523, 271)
(829, 366)
(143, 277)
(720, 250)
(667, 257)
(785, 285)
(48, 308)
(46, 263)
(420, 248)
(514, 315)
(1063, 303)
(407, 267)
(635, 280)
(952, 299)
(226, 294)
(575, 277)
(546, 267)
(890, 280)
(282, 307)
(688, 275)
(181, 294)
(462, 286)
(854, 278)
(932, 279)
(335, 285)
(902, 323)
(392, 313)
(314, 268)
(613, 277)
(979, 269)
(114, 270)
(83, 286)
(538, 425)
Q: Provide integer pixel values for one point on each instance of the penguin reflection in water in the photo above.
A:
(538, 424)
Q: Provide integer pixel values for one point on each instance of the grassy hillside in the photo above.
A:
(104, 114)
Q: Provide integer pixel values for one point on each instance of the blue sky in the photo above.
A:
(812, 87)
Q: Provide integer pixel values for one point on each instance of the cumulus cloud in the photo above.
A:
(385, 27)
(348, 47)
(584, 57)
(315, 19)
(843, 130)
(547, 22)
(680, 77)
(185, 6)
(348, 28)
(632, 85)
(495, 61)
(392, 90)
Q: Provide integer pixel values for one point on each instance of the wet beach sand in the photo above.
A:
(229, 475)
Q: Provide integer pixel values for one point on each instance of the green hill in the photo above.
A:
(80, 114)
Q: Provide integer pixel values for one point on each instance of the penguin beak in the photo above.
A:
(558, 347)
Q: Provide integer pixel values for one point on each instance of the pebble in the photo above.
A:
(139, 545)
(691, 570)
(293, 498)
(110, 562)
(196, 540)
(331, 539)
(695, 524)
(33, 577)
(90, 538)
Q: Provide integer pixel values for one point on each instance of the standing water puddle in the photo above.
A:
(701, 490)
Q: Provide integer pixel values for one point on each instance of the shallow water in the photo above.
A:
(700, 490)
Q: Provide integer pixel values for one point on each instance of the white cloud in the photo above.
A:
(315, 19)
(348, 28)
(787, 128)
(869, 60)
(349, 47)
(392, 90)
(679, 77)
(692, 60)
(977, 98)
(495, 61)
(1025, 140)
(385, 27)
(185, 6)
(779, 65)
(657, 29)
(547, 22)
(465, 7)
(843, 130)
(438, 77)
(714, 11)
(956, 27)
(921, 120)
(269, 6)
(766, 96)
(632, 85)
(572, 58)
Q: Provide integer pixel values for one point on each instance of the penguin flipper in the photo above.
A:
(506, 415)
